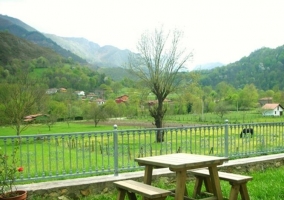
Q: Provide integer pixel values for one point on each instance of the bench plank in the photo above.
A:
(145, 190)
(236, 178)
(237, 181)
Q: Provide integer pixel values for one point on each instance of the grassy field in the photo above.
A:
(234, 117)
(60, 127)
(266, 185)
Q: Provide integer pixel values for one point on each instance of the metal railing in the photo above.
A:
(57, 156)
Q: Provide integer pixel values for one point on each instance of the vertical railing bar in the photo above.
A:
(71, 139)
(133, 144)
(63, 155)
(28, 155)
(90, 145)
(190, 138)
(121, 150)
(226, 128)
(56, 155)
(49, 151)
(76, 148)
(115, 153)
(42, 158)
(96, 154)
(35, 158)
(83, 153)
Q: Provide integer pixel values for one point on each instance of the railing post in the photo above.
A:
(115, 151)
(226, 138)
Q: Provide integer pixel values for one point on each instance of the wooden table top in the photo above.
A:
(178, 161)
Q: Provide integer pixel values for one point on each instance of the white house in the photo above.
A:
(272, 109)
(80, 93)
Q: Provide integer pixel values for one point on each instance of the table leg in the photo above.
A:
(215, 182)
(180, 184)
(148, 174)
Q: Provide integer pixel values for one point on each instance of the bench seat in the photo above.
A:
(131, 188)
(238, 183)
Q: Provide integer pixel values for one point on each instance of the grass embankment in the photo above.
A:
(266, 185)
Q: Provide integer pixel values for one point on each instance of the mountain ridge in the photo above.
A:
(22, 30)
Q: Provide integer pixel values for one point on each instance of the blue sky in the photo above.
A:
(215, 30)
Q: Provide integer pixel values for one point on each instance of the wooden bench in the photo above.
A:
(131, 188)
(237, 182)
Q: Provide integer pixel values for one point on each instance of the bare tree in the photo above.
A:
(157, 64)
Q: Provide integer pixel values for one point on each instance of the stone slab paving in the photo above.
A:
(99, 183)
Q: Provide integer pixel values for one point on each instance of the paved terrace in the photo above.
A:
(103, 184)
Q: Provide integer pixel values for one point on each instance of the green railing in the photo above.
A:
(58, 156)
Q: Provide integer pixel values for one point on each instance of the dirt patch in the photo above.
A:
(132, 123)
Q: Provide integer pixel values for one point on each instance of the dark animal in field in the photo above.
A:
(245, 131)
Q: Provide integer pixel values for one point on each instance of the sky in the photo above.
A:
(214, 30)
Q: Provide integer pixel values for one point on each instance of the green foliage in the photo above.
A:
(96, 113)
(8, 172)
(263, 68)
(12, 47)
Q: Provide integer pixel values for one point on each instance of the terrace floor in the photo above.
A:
(97, 184)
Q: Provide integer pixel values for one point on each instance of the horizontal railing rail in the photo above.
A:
(58, 156)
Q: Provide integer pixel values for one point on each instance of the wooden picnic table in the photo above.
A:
(180, 163)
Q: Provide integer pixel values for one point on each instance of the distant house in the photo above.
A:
(51, 91)
(272, 109)
(121, 99)
(91, 96)
(153, 102)
(265, 100)
(100, 101)
(35, 117)
(80, 93)
(62, 90)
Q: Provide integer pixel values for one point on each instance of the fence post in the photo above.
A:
(226, 138)
(115, 151)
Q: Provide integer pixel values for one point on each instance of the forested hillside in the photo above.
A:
(263, 68)
(45, 64)
(22, 30)
(12, 47)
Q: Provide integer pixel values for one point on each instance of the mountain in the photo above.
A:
(208, 66)
(13, 47)
(22, 30)
(79, 49)
(105, 56)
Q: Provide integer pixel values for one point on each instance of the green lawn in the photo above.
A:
(59, 127)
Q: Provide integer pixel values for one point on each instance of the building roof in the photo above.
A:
(266, 98)
(271, 106)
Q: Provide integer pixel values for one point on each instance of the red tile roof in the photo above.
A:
(270, 106)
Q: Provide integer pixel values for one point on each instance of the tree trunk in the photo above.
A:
(158, 116)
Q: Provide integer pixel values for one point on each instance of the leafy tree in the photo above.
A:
(55, 111)
(157, 65)
(221, 109)
(111, 108)
(97, 113)
(248, 97)
(20, 97)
